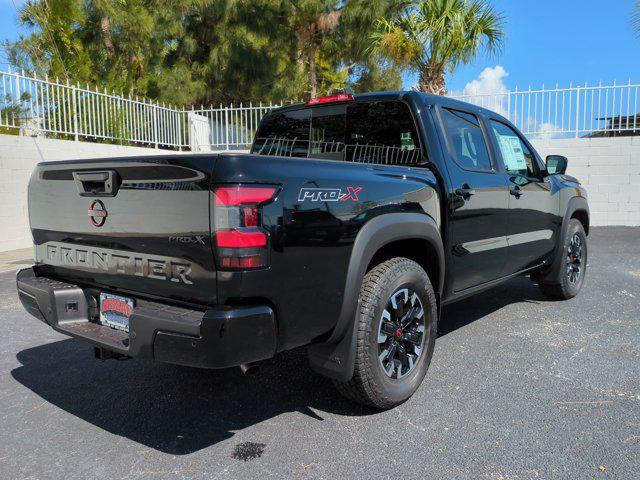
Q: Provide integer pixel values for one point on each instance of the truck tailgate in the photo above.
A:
(138, 225)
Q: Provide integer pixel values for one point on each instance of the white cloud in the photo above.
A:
(489, 91)
(546, 130)
(489, 82)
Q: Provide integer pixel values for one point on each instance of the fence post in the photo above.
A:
(122, 122)
(226, 127)
(74, 105)
(17, 101)
(28, 87)
(155, 124)
(577, 111)
(180, 123)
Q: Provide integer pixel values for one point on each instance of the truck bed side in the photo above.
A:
(313, 225)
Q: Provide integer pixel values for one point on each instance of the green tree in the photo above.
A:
(180, 51)
(117, 44)
(230, 51)
(433, 37)
(52, 49)
(313, 21)
(332, 39)
(193, 52)
(376, 77)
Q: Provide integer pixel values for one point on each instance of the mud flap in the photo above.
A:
(336, 360)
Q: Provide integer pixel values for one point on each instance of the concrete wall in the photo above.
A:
(18, 156)
(609, 168)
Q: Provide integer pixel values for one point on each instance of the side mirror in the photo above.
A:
(556, 164)
(519, 180)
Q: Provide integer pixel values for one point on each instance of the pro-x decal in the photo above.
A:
(329, 194)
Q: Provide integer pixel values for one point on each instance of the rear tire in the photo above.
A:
(396, 334)
(570, 277)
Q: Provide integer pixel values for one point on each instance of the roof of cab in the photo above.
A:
(408, 95)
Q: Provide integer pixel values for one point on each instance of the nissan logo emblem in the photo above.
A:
(97, 213)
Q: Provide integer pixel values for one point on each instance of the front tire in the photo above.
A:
(570, 277)
(396, 334)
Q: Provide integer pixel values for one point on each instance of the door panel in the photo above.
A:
(531, 229)
(478, 230)
(531, 225)
(479, 202)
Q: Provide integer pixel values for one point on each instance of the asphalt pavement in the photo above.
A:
(520, 387)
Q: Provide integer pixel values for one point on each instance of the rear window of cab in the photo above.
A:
(380, 132)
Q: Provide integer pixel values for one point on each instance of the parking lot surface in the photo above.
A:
(520, 387)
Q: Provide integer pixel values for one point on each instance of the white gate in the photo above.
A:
(199, 133)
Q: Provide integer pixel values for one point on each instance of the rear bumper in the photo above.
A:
(215, 338)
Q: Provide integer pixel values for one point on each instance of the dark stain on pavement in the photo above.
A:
(246, 451)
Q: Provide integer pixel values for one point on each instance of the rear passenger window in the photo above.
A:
(381, 132)
(327, 132)
(466, 141)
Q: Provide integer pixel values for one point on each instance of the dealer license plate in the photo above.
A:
(115, 311)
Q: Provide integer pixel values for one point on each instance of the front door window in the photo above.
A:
(516, 156)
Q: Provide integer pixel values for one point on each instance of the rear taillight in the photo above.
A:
(239, 238)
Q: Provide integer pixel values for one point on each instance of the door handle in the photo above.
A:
(92, 183)
(465, 191)
(516, 192)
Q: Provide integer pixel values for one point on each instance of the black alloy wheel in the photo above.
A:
(401, 335)
(574, 259)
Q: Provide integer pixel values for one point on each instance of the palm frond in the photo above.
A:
(438, 35)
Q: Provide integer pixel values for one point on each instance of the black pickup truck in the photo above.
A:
(352, 222)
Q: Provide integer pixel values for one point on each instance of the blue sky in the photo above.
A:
(562, 41)
(8, 24)
(548, 41)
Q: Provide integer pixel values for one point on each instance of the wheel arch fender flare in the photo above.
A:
(576, 204)
(335, 357)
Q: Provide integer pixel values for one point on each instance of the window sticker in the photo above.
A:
(512, 153)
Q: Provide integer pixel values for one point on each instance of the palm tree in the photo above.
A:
(635, 17)
(433, 37)
(313, 20)
(331, 36)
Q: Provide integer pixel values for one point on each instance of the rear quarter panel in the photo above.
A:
(313, 224)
